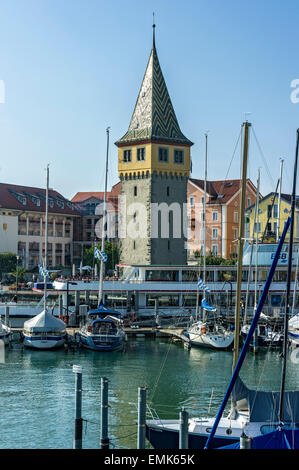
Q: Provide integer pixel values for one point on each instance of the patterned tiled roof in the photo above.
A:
(25, 198)
(154, 118)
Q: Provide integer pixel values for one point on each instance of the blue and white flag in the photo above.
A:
(100, 255)
(202, 286)
(43, 271)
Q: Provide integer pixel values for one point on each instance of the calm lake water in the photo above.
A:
(37, 389)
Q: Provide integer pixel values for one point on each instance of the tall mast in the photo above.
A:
(279, 200)
(246, 127)
(205, 215)
(46, 239)
(104, 221)
(256, 238)
(286, 317)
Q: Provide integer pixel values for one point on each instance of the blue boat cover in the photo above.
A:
(264, 406)
(206, 306)
(102, 310)
(279, 439)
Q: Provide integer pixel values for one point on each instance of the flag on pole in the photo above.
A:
(43, 271)
(100, 255)
(202, 286)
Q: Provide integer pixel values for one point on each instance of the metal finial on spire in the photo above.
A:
(154, 26)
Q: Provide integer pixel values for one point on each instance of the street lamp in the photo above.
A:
(18, 257)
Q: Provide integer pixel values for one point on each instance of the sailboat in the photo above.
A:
(44, 331)
(164, 434)
(208, 333)
(265, 335)
(282, 429)
(5, 332)
(103, 329)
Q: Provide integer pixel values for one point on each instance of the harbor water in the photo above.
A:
(37, 389)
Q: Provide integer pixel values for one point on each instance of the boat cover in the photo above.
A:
(102, 310)
(45, 321)
(206, 306)
(279, 439)
(264, 406)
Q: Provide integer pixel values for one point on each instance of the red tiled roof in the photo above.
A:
(84, 196)
(9, 199)
(225, 188)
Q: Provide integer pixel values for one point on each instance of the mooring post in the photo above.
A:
(183, 434)
(141, 417)
(104, 439)
(78, 408)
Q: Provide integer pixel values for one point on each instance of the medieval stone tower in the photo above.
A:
(154, 167)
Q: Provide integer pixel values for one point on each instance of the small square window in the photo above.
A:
(127, 156)
(178, 156)
(141, 154)
(163, 154)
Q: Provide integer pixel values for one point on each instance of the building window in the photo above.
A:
(248, 202)
(141, 154)
(179, 156)
(134, 245)
(135, 190)
(163, 154)
(269, 211)
(191, 201)
(168, 245)
(275, 215)
(202, 200)
(236, 217)
(235, 233)
(168, 191)
(215, 250)
(215, 233)
(127, 156)
(215, 216)
(259, 227)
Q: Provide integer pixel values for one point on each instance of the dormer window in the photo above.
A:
(163, 154)
(60, 204)
(127, 156)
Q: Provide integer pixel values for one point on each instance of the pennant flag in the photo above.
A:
(43, 271)
(100, 255)
(202, 286)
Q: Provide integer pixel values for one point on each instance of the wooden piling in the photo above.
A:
(183, 432)
(77, 444)
(141, 417)
(104, 439)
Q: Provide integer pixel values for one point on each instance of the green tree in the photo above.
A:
(8, 262)
(18, 273)
(212, 260)
(111, 250)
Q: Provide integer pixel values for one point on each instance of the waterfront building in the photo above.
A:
(222, 215)
(88, 230)
(22, 225)
(271, 218)
(154, 167)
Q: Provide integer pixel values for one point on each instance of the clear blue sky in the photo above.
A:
(71, 68)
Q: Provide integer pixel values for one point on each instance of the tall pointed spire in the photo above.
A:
(154, 118)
